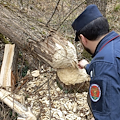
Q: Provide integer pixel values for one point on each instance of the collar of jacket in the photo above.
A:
(108, 37)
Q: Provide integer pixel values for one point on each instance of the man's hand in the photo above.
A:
(92, 119)
(82, 63)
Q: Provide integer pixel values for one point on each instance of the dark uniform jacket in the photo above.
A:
(104, 71)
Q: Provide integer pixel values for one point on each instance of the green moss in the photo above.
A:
(43, 32)
(117, 7)
(32, 28)
(40, 20)
(3, 38)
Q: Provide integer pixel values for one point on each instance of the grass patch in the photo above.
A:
(117, 7)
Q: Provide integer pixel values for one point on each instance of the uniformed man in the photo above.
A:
(92, 30)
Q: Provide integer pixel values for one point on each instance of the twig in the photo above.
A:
(42, 85)
(49, 97)
(70, 14)
(53, 13)
(22, 65)
(25, 79)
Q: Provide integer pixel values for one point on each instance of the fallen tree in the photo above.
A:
(41, 42)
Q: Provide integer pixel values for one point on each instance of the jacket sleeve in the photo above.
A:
(104, 90)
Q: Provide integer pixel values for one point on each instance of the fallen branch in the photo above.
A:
(24, 112)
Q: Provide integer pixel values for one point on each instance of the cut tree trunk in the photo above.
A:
(35, 38)
(44, 44)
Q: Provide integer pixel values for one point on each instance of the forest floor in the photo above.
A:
(47, 99)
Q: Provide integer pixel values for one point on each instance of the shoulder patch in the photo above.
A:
(95, 92)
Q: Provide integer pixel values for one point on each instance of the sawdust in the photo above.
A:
(49, 102)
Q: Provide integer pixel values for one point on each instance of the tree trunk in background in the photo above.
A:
(102, 4)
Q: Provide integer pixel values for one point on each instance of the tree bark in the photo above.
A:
(102, 4)
(33, 37)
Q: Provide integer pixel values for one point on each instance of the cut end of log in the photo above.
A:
(72, 75)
